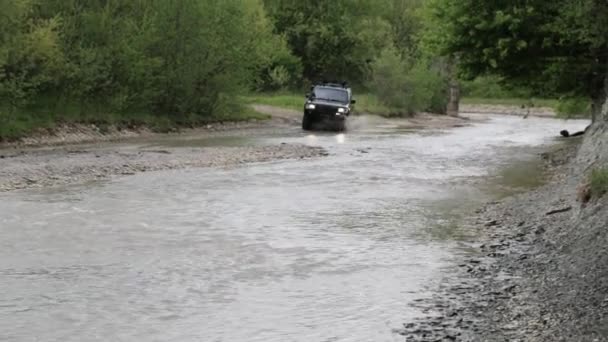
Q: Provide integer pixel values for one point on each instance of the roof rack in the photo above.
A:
(336, 84)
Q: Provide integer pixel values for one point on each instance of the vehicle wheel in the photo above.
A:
(306, 123)
(341, 126)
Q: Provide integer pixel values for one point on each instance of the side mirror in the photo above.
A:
(353, 101)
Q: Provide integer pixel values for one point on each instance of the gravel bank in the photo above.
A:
(539, 266)
(507, 110)
(60, 166)
(65, 160)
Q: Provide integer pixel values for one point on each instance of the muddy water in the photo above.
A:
(333, 249)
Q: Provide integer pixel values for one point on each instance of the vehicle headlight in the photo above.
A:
(341, 110)
(310, 106)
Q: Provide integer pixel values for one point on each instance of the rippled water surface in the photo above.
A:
(332, 249)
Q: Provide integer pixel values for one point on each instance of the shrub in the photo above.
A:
(389, 79)
(409, 89)
(279, 77)
(493, 87)
(573, 106)
(485, 87)
(430, 88)
(598, 182)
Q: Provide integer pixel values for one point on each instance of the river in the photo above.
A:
(329, 249)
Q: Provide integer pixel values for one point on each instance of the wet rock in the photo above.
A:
(492, 223)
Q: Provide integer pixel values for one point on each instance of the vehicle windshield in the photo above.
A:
(330, 94)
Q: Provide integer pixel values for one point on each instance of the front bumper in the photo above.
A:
(325, 115)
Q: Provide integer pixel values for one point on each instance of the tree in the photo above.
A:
(553, 47)
(167, 57)
(335, 39)
(30, 58)
(407, 86)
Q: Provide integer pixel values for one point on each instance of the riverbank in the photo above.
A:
(75, 133)
(74, 165)
(539, 270)
(369, 104)
(75, 154)
(268, 116)
(83, 154)
(545, 112)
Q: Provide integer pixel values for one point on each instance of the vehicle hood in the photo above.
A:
(329, 103)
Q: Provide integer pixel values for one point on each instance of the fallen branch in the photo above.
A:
(558, 211)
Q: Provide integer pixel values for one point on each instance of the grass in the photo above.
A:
(598, 182)
(282, 100)
(369, 103)
(366, 103)
(18, 124)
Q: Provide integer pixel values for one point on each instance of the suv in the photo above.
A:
(327, 107)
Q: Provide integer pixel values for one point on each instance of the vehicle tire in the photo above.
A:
(341, 126)
(306, 122)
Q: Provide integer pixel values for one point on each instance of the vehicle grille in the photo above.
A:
(324, 109)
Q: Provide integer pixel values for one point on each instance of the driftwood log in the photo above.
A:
(567, 134)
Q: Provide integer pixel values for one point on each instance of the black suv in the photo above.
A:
(327, 107)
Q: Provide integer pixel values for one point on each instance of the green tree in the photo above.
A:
(30, 58)
(406, 87)
(177, 58)
(407, 25)
(554, 47)
(334, 39)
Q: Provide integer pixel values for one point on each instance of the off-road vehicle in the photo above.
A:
(327, 107)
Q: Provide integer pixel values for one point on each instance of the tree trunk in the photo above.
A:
(453, 106)
(454, 99)
(599, 106)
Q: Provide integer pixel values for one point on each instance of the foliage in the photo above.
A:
(599, 182)
(371, 44)
(569, 107)
(176, 61)
(30, 59)
(367, 103)
(334, 39)
(185, 62)
(278, 99)
(550, 47)
(411, 89)
(493, 87)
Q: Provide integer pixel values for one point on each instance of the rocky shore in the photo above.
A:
(508, 110)
(539, 270)
(68, 165)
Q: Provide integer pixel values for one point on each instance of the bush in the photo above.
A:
(484, 87)
(573, 106)
(430, 88)
(599, 182)
(177, 62)
(409, 89)
(492, 87)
